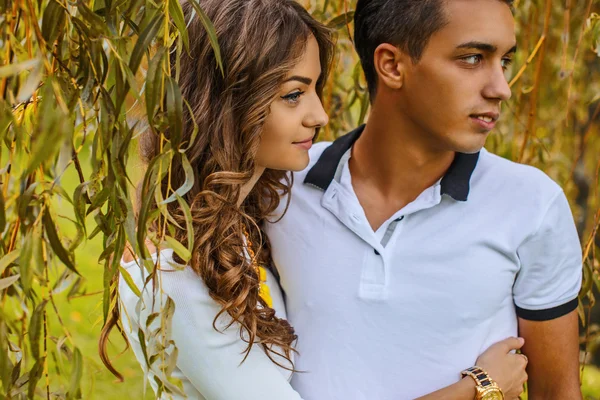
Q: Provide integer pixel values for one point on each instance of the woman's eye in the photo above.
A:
(473, 60)
(293, 98)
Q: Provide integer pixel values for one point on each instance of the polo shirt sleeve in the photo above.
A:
(549, 279)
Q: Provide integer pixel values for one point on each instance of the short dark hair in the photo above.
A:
(407, 24)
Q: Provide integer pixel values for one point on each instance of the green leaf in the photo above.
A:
(187, 184)
(180, 249)
(32, 83)
(151, 180)
(142, 340)
(53, 21)
(2, 213)
(53, 125)
(99, 199)
(189, 223)
(15, 68)
(174, 112)
(8, 259)
(129, 281)
(79, 203)
(177, 14)
(6, 282)
(144, 41)
(55, 243)
(34, 376)
(35, 328)
(6, 119)
(341, 20)
(153, 81)
(212, 34)
(97, 25)
(76, 374)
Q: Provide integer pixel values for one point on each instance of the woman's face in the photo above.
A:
(294, 116)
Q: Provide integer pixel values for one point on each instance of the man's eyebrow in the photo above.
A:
(302, 79)
(490, 48)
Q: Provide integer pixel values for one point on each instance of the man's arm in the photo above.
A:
(553, 350)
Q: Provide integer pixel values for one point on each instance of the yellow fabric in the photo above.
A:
(263, 290)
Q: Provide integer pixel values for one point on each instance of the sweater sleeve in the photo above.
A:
(209, 359)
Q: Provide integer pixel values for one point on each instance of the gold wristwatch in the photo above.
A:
(486, 388)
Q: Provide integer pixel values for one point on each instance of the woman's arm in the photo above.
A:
(504, 367)
(209, 359)
(462, 390)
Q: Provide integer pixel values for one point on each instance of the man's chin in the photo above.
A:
(472, 145)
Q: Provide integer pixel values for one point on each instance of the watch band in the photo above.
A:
(481, 377)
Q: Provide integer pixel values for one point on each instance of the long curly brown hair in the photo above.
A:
(260, 41)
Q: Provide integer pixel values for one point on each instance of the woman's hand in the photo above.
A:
(505, 368)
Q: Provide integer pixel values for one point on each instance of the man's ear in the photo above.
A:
(390, 64)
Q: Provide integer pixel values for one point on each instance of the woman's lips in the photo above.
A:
(306, 144)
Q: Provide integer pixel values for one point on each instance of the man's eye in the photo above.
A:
(506, 62)
(473, 60)
(293, 98)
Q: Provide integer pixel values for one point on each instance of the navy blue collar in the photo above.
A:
(455, 183)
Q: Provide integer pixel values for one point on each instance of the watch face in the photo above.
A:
(493, 395)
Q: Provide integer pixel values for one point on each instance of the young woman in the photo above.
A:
(256, 122)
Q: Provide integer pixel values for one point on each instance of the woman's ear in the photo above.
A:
(390, 64)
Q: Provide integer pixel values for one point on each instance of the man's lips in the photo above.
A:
(487, 116)
(485, 120)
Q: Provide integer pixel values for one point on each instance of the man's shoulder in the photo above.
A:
(515, 176)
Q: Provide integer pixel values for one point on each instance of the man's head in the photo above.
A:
(440, 63)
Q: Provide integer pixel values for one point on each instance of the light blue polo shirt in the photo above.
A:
(398, 313)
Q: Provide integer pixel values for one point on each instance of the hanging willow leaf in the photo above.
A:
(8, 259)
(97, 25)
(210, 30)
(149, 185)
(35, 329)
(54, 240)
(144, 41)
(53, 21)
(6, 282)
(2, 213)
(177, 14)
(341, 20)
(174, 112)
(189, 223)
(129, 280)
(180, 249)
(153, 81)
(76, 374)
(34, 376)
(189, 179)
(15, 68)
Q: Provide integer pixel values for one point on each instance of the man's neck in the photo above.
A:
(391, 165)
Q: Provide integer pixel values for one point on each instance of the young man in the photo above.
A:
(407, 248)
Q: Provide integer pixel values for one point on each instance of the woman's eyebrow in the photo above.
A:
(302, 79)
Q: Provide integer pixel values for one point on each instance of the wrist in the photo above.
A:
(468, 387)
